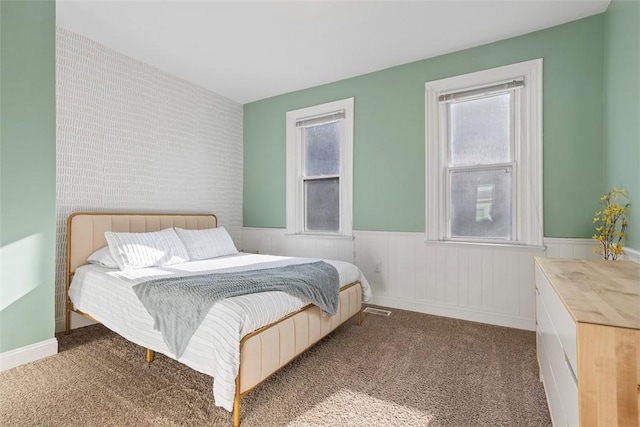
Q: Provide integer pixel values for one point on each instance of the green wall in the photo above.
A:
(622, 107)
(389, 153)
(27, 172)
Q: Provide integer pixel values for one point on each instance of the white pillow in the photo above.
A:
(140, 250)
(207, 243)
(103, 258)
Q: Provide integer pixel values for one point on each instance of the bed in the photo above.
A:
(242, 340)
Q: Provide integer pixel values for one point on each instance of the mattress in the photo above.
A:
(214, 349)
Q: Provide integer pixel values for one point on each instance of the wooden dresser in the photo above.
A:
(588, 339)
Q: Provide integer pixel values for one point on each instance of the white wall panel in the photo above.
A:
(474, 283)
(631, 255)
(424, 271)
(570, 248)
(402, 252)
(526, 290)
(480, 283)
(274, 241)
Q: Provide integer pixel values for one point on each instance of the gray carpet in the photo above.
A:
(408, 369)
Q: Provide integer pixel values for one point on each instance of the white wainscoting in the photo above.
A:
(274, 241)
(479, 283)
(570, 248)
(485, 284)
(581, 248)
(77, 321)
(631, 254)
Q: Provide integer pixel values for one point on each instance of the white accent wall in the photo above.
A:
(487, 284)
(133, 138)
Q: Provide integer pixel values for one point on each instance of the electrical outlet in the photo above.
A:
(378, 267)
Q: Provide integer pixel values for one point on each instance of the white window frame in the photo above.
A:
(295, 165)
(527, 155)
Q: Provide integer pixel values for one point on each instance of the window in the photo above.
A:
(319, 169)
(484, 156)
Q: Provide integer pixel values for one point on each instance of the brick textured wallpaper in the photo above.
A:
(133, 138)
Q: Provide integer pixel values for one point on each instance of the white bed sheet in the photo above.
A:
(107, 295)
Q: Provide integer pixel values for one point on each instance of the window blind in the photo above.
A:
(318, 120)
(452, 96)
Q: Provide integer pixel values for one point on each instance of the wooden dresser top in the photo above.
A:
(597, 291)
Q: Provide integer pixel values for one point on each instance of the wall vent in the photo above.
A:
(376, 311)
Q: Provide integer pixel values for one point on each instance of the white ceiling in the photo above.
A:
(250, 50)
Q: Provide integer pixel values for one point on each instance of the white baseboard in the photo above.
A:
(457, 313)
(77, 321)
(30, 353)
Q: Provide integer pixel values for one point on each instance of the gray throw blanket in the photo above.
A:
(179, 304)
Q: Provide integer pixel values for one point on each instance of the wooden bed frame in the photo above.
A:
(262, 352)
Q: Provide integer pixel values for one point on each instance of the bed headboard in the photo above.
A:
(85, 230)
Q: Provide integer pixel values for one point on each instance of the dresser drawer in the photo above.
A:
(556, 369)
(560, 318)
(558, 418)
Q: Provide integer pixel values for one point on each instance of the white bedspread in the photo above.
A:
(107, 295)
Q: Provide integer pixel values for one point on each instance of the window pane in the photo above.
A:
(480, 131)
(480, 204)
(322, 197)
(322, 149)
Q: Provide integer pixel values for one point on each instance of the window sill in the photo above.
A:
(485, 245)
(320, 236)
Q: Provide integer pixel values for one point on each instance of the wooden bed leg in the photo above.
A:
(150, 355)
(67, 322)
(360, 317)
(236, 410)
